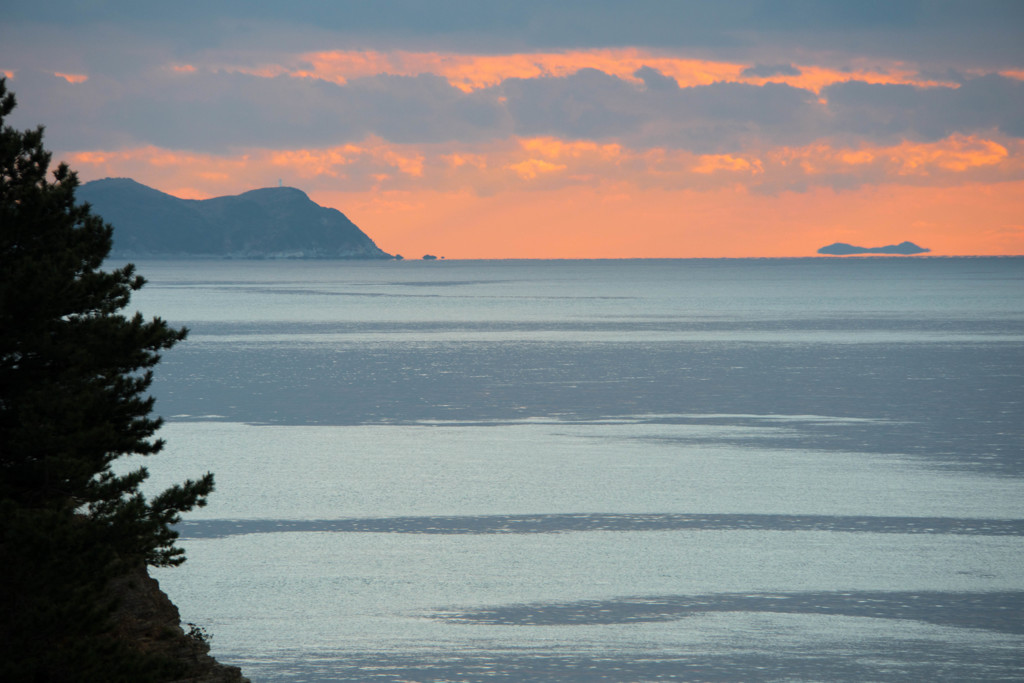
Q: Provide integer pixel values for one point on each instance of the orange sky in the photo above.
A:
(549, 198)
(585, 222)
(494, 192)
(554, 130)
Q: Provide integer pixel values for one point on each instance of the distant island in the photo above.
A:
(275, 222)
(842, 249)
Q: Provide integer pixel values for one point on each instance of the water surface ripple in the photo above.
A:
(557, 523)
(1001, 611)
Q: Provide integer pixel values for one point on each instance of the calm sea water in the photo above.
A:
(600, 471)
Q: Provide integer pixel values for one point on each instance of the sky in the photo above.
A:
(545, 129)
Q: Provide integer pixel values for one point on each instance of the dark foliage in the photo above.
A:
(74, 372)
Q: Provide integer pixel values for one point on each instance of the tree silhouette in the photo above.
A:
(74, 376)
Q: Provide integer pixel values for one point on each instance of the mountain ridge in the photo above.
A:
(271, 222)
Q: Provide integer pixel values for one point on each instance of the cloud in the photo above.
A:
(189, 107)
(719, 117)
(471, 72)
(768, 70)
(655, 80)
(893, 112)
(586, 104)
(220, 111)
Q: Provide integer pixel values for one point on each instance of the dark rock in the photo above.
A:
(147, 621)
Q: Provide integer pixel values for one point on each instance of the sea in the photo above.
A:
(622, 470)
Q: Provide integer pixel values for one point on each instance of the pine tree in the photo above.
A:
(74, 376)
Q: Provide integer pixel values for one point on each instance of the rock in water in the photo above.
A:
(843, 249)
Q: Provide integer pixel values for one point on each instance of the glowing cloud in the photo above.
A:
(549, 163)
(958, 153)
(470, 72)
(531, 168)
(709, 163)
(553, 148)
(71, 78)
